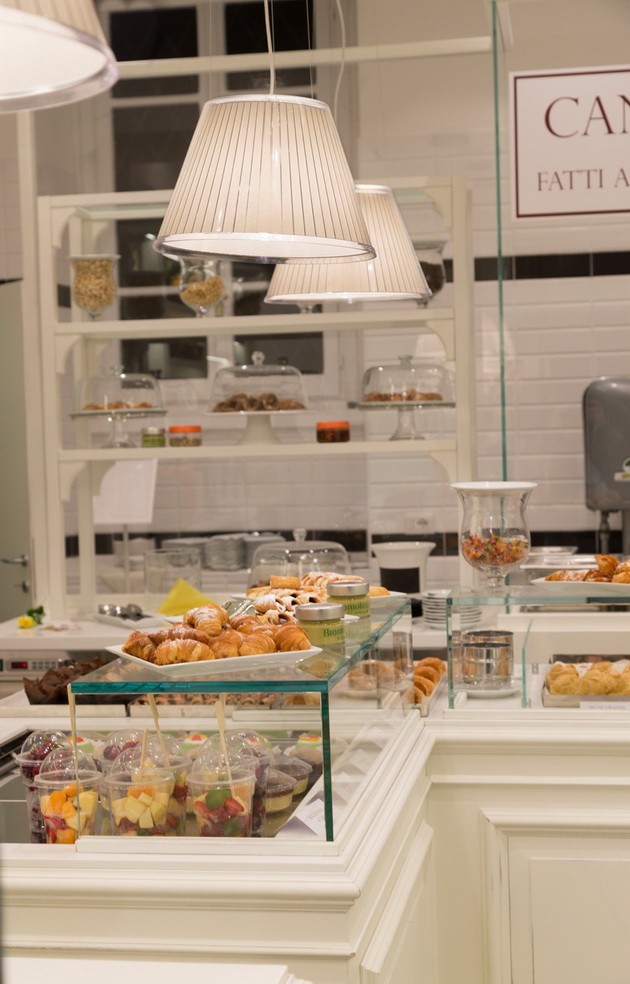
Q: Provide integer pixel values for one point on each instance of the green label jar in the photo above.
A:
(323, 624)
(353, 595)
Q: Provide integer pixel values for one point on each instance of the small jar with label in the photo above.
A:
(184, 436)
(323, 624)
(153, 437)
(353, 595)
(333, 431)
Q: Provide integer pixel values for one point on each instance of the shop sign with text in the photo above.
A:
(570, 141)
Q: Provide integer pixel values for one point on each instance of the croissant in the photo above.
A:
(181, 651)
(290, 638)
(434, 661)
(209, 619)
(278, 581)
(428, 672)
(224, 648)
(244, 623)
(424, 685)
(139, 644)
(559, 668)
(595, 682)
(414, 695)
(595, 574)
(181, 631)
(621, 576)
(622, 683)
(607, 564)
(257, 642)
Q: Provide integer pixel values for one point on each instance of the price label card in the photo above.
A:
(606, 705)
(312, 816)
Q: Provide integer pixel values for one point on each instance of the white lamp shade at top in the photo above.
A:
(265, 179)
(393, 275)
(53, 52)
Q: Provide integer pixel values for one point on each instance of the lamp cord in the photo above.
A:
(342, 65)
(272, 64)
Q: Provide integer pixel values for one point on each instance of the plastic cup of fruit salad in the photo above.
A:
(178, 798)
(222, 804)
(30, 757)
(68, 805)
(140, 805)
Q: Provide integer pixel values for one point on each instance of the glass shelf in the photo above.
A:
(550, 594)
(326, 668)
(532, 626)
(381, 653)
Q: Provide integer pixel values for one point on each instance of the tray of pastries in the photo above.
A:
(277, 599)
(258, 388)
(208, 640)
(569, 681)
(610, 575)
(407, 382)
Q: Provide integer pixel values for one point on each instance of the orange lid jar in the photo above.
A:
(184, 436)
(333, 431)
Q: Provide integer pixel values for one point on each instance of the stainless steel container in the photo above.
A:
(484, 660)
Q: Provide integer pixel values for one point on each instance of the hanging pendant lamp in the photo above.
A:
(393, 275)
(53, 52)
(265, 179)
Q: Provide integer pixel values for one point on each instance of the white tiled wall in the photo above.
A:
(436, 117)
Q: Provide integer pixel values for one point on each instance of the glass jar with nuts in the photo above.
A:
(93, 282)
(200, 286)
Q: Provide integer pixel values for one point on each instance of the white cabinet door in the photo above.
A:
(14, 528)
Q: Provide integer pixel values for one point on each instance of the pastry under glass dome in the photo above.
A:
(294, 558)
(118, 395)
(406, 386)
(257, 391)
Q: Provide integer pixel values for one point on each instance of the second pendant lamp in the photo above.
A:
(394, 274)
(265, 179)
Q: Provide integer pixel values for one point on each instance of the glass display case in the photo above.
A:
(339, 710)
(546, 644)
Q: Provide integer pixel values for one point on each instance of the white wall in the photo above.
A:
(433, 116)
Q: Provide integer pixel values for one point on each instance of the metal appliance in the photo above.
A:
(606, 415)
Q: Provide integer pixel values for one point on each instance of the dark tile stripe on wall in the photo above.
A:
(538, 267)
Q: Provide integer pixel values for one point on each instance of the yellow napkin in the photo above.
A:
(181, 597)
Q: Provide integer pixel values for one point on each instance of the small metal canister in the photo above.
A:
(484, 660)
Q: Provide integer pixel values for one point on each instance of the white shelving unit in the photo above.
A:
(74, 223)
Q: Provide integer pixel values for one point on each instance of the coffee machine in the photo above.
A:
(606, 415)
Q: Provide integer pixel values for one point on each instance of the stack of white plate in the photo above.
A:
(434, 610)
(225, 552)
(198, 542)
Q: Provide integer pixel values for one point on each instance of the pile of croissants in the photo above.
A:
(609, 570)
(209, 633)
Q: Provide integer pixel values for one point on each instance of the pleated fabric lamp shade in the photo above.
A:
(265, 179)
(393, 275)
(53, 52)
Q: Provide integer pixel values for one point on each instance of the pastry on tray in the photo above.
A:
(207, 633)
(276, 600)
(601, 679)
(609, 570)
